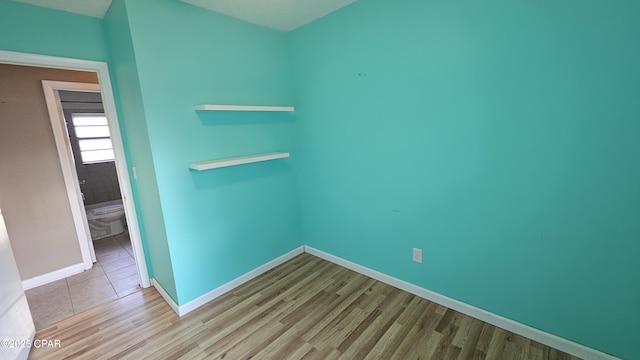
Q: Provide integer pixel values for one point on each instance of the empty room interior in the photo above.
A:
(314, 179)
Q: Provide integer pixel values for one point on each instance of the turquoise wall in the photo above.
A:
(500, 137)
(37, 30)
(124, 68)
(219, 223)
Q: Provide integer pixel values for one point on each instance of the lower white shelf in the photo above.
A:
(243, 108)
(219, 163)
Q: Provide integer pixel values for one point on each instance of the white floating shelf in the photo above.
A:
(242, 108)
(218, 163)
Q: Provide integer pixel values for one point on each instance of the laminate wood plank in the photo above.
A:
(174, 348)
(536, 353)
(497, 344)
(297, 355)
(398, 331)
(247, 348)
(444, 349)
(247, 328)
(421, 332)
(369, 334)
(263, 323)
(107, 340)
(470, 342)
(80, 337)
(367, 309)
(482, 346)
(523, 346)
(298, 328)
(293, 285)
(226, 334)
(284, 347)
(511, 350)
(424, 347)
(306, 308)
(325, 326)
(325, 354)
(313, 315)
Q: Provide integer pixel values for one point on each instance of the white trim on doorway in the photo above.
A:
(65, 155)
(101, 68)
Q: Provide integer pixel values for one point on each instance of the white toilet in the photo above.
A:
(105, 219)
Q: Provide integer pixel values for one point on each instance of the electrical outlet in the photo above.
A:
(417, 255)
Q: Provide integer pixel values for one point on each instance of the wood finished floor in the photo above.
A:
(306, 308)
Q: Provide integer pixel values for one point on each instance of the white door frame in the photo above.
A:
(65, 155)
(102, 69)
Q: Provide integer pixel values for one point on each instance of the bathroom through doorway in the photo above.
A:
(32, 278)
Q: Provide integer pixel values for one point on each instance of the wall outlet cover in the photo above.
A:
(417, 255)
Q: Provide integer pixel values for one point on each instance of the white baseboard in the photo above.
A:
(515, 327)
(540, 336)
(165, 295)
(182, 310)
(52, 276)
(203, 299)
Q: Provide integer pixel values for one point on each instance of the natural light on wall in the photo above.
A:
(92, 131)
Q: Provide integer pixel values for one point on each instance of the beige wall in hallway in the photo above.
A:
(33, 197)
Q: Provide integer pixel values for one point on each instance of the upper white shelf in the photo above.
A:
(218, 163)
(242, 108)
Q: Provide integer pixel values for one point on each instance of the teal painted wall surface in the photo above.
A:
(150, 217)
(220, 223)
(500, 137)
(37, 30)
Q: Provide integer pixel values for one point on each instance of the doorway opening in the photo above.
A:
(119, 243)
(114, 273)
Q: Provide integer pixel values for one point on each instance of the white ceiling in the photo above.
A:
(282, 15)
(95, 8)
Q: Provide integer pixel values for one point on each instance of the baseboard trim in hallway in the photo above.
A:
(540, 336)
(52, 276)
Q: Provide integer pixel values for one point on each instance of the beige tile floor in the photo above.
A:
(112, 277)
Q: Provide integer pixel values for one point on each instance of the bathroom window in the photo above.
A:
(92, 131)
